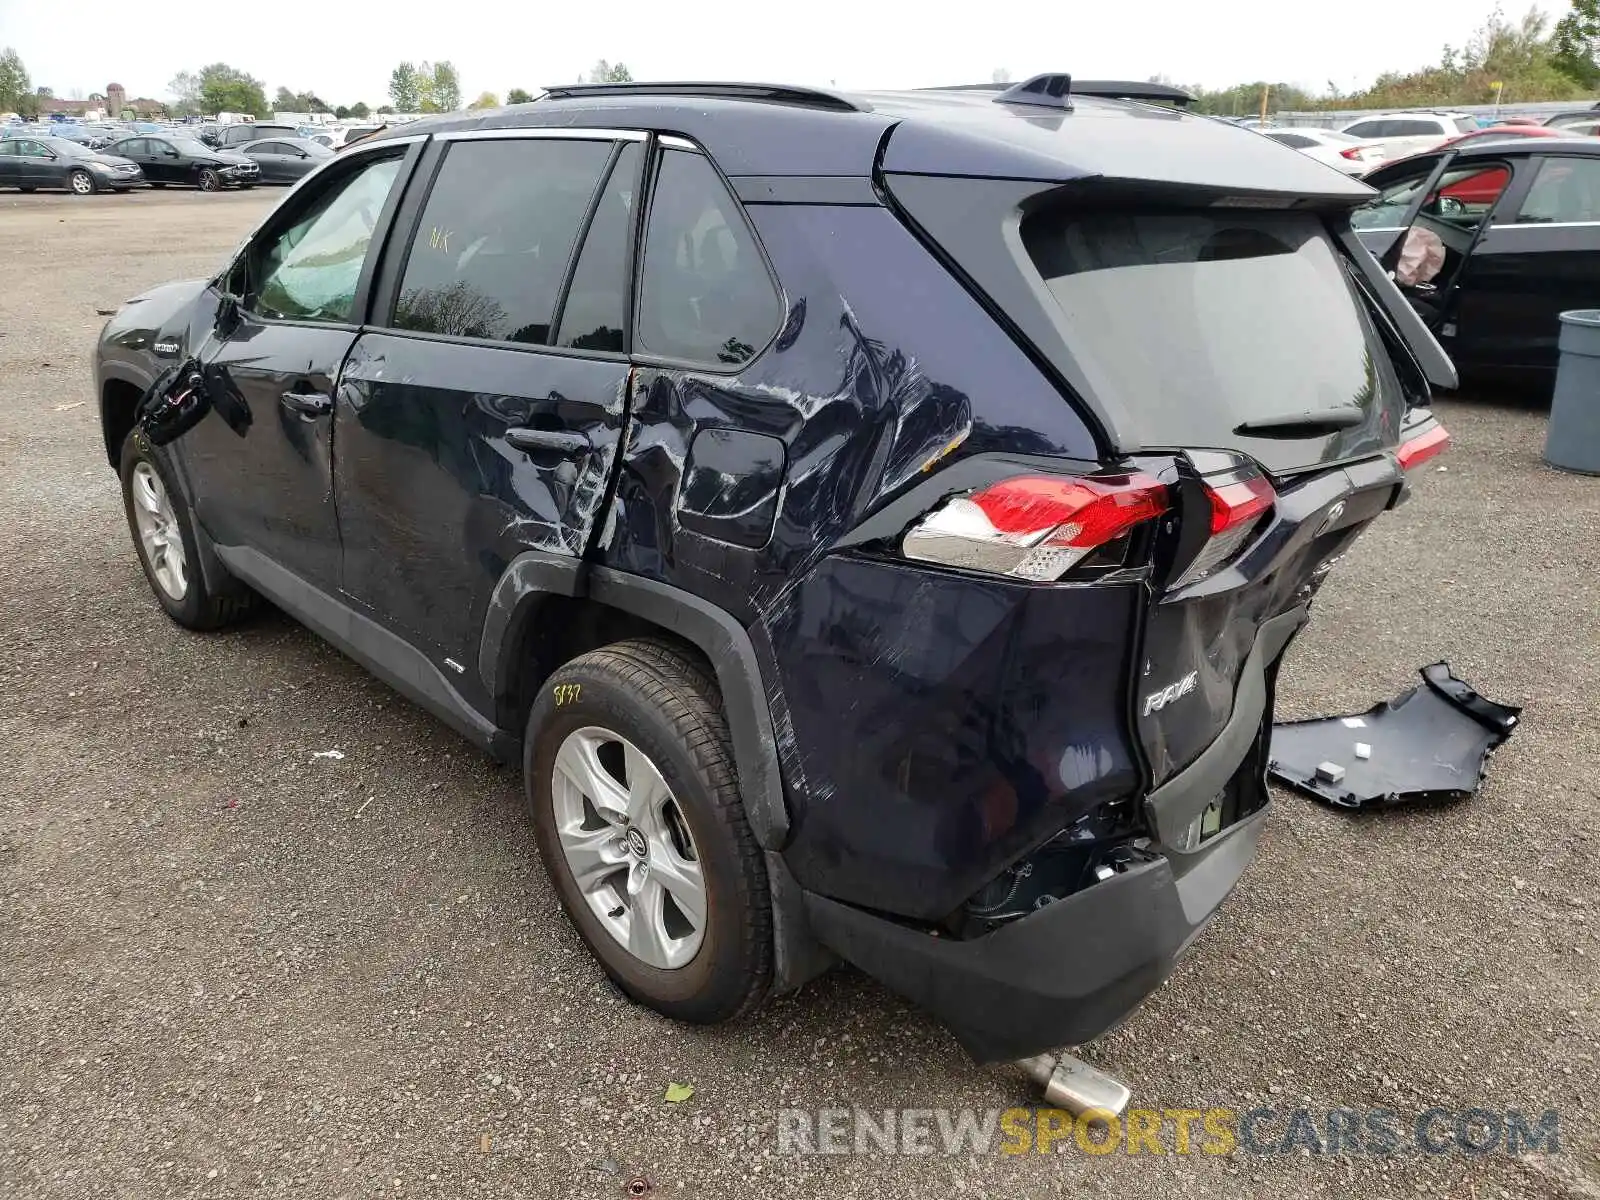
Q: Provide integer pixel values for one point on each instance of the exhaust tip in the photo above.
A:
(1070, 1083)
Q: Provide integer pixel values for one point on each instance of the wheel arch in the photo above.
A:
(121, 389)
(547, 607)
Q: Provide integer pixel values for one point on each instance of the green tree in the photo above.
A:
(445, 88)
(285, 100)
(386, 110)
(45, 93)
(27, 106)
(14, 82)
(518, 96)
(360, 111)
(341, 113)
(404, 88)
(486, 100)
(228, 89)
(604, 72)
(1576, 43)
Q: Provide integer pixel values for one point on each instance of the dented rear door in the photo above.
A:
(476, 420)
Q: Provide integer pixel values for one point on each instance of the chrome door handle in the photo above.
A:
(312, 404)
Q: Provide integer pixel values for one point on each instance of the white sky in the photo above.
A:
(345, 54)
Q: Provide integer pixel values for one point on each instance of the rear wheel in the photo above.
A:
(163, 531)
(81, 183)
(209, 180)
(629, 773)
(25, 188)
(157, 185)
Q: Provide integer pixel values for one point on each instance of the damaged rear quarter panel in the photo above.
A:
(883, 371)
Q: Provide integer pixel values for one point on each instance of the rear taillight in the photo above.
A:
(1355, 153)
(1419, 449)
(1035, 526)
(1237, 509)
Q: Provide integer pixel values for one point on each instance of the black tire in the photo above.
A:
(245, 187)
(199, 607)
(158, 185)
(81, 183)
(662, 701)
(27, 188)
(208, 180)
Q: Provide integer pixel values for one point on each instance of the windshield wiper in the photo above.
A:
(1307, 424)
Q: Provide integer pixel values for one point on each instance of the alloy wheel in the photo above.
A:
(159, 532)
(81, 183)
(629, 848)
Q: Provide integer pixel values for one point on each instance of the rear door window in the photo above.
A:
(1296, 140)
(1566, 190)
(594, 316)
(490, 253)
(1202, 322)
(1369, 129)
(705, 294)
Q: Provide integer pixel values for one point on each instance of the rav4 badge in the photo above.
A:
(1156, 701)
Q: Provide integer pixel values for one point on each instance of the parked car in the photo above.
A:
(47, 162)
(173, 158)
(1402, 134)
(1576, 116)
(1337, 150)
(892, 559)
(231, 137)
(286, 160)
(1519, 224)
(1502, 132)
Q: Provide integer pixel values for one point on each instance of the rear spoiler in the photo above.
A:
(1057, 90)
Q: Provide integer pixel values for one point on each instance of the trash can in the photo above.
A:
(1572, 441)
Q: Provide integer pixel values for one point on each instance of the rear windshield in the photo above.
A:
(1200, 322)
(1466, 124)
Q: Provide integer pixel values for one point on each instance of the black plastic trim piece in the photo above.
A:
(387, 655)
(772, 93)
(531, 574)
(725, 642)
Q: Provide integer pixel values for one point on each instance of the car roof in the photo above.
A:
(766, 129)
(1494, 148)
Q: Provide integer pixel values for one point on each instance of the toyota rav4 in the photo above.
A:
(873, 521)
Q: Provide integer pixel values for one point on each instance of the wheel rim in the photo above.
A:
(629, 848)
(81, 183)
(159, 533)
(208, 181)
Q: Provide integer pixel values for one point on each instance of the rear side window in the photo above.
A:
(1415, 128)
(704, 291)
(1566, 190)
(1296, 140)
(595, 312)
(1201, 322)
(1369, 129)
(491, 250)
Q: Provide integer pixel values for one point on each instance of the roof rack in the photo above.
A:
(1056, 90)
(772, 93)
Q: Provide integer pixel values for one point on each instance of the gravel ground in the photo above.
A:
(230, 967)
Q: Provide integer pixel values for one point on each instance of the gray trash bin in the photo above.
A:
(1573, 440)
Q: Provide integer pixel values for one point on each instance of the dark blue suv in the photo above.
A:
(874, 521)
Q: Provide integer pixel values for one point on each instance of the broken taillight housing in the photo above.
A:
(1419, 449)
(1237, 510)
(1035, 527)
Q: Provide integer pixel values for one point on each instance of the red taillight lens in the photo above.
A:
(1233, 504)
(1035, 526)
(1431, 441)
(1355, 153)
(1236, 512)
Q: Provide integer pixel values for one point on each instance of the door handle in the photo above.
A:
(561, 441)
(312, 404)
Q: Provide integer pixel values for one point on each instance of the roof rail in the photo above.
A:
(772, 93)
(1056, 91)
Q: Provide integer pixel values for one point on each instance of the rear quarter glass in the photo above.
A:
(1195, 323)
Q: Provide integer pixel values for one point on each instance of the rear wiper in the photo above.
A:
(1308, 424)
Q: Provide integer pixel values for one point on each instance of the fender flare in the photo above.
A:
(121, 372)
(715, 633)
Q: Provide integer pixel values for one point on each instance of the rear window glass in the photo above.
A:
(1466, 124)
(1200, 322)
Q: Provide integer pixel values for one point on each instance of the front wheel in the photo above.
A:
(169, 550)
(245, 187)
(81, 183)
(628, 770)
(209, 180)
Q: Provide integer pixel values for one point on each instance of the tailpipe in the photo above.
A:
(1074, 1085)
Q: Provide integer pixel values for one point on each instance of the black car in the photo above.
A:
(236, 137)
(874, 522)
(286, 160)
(1515, 230)
(175, 158)
(30, 163)
(1574, 116)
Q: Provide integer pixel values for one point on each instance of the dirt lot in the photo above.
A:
(231, 967)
